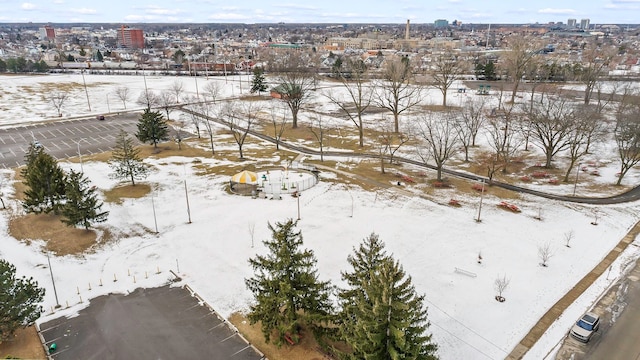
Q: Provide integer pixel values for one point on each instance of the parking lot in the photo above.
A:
(159, 323)
(64, 139)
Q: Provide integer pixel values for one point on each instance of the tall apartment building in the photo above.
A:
(441, 23)
(584, 24)
(47, 33)
(130, 38)
(571, 23)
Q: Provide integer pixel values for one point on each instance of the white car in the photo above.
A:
(588, 324)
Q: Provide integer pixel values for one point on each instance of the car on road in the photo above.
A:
(37, 144)
(584, 328)
(100, 117)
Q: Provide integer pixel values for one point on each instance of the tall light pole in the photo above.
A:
(575, 184)
(53, 282)
(85, 89)
(80, 154)
(480, 207)
(298, 197)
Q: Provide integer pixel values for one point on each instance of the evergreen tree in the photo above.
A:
(20, 300)
(258, 82)
(381, 315)
(99, 56)
(45, 182)
(490, 71)
(82, 206)
(286, 288)
(152, 128)
(125, 160)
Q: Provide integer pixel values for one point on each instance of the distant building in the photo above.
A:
(130, 38)
(441, 23)
(584, 24)
(571, 23)
(47, 33)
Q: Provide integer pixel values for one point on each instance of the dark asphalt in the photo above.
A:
(158, 323)
(63, 139)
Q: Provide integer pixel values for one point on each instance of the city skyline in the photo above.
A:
(328, 11)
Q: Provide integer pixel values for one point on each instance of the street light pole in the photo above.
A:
(575, 184)
(85, 89)
(80, 154)
(480, 207)
(298, 197)
(53, 282)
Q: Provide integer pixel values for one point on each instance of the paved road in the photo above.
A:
(616, 340)
(158, 323)
(62, 139)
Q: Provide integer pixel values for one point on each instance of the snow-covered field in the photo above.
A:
(430, 240)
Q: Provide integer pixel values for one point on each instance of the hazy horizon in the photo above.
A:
(326, 12)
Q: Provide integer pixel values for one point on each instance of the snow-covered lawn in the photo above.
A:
(429, 239)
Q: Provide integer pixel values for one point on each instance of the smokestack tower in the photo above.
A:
(406, 31)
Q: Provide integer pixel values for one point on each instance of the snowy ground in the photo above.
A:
(429, 239)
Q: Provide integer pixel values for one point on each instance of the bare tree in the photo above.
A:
(568, 236)
(296, 82)
(468, 122)
(552, 122)
(148, 99)
(438, 136)
(595, 59)
(392, 141)
(353, 79)
(205, 110)
(57, 99)
(193, 113)
(627, 136)
(544, 253)
(252, 231)
(212, 91)
(503, 138)
(278, 122)
(179, 133)
(240, 117)
(166, 102)
(394, 92)
(123, 94)
(176, 88)
(318, 129)
(447, 67)
(578, 143)
(522, 51)
(500, 285)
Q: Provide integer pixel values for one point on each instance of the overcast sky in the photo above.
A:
(321, 11)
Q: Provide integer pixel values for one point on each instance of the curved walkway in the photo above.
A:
(628, 196)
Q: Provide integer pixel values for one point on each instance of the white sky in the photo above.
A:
(330, 11)
(429, 238)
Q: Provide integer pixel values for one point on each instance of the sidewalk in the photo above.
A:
(559, 307)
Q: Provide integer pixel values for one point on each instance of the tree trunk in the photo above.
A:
(396, 123)
(294, 116)
(547, 165)
(444, 97)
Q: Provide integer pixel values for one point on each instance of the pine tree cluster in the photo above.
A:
(49, 189)
(380, 316)
(20, 300)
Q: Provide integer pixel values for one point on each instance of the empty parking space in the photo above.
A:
(158, 323)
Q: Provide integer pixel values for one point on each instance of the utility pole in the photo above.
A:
(53, 282)
(575, 184)
(480, 207)
(85, 89)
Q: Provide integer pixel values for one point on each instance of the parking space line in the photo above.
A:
(241, 350)
(228, 337)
